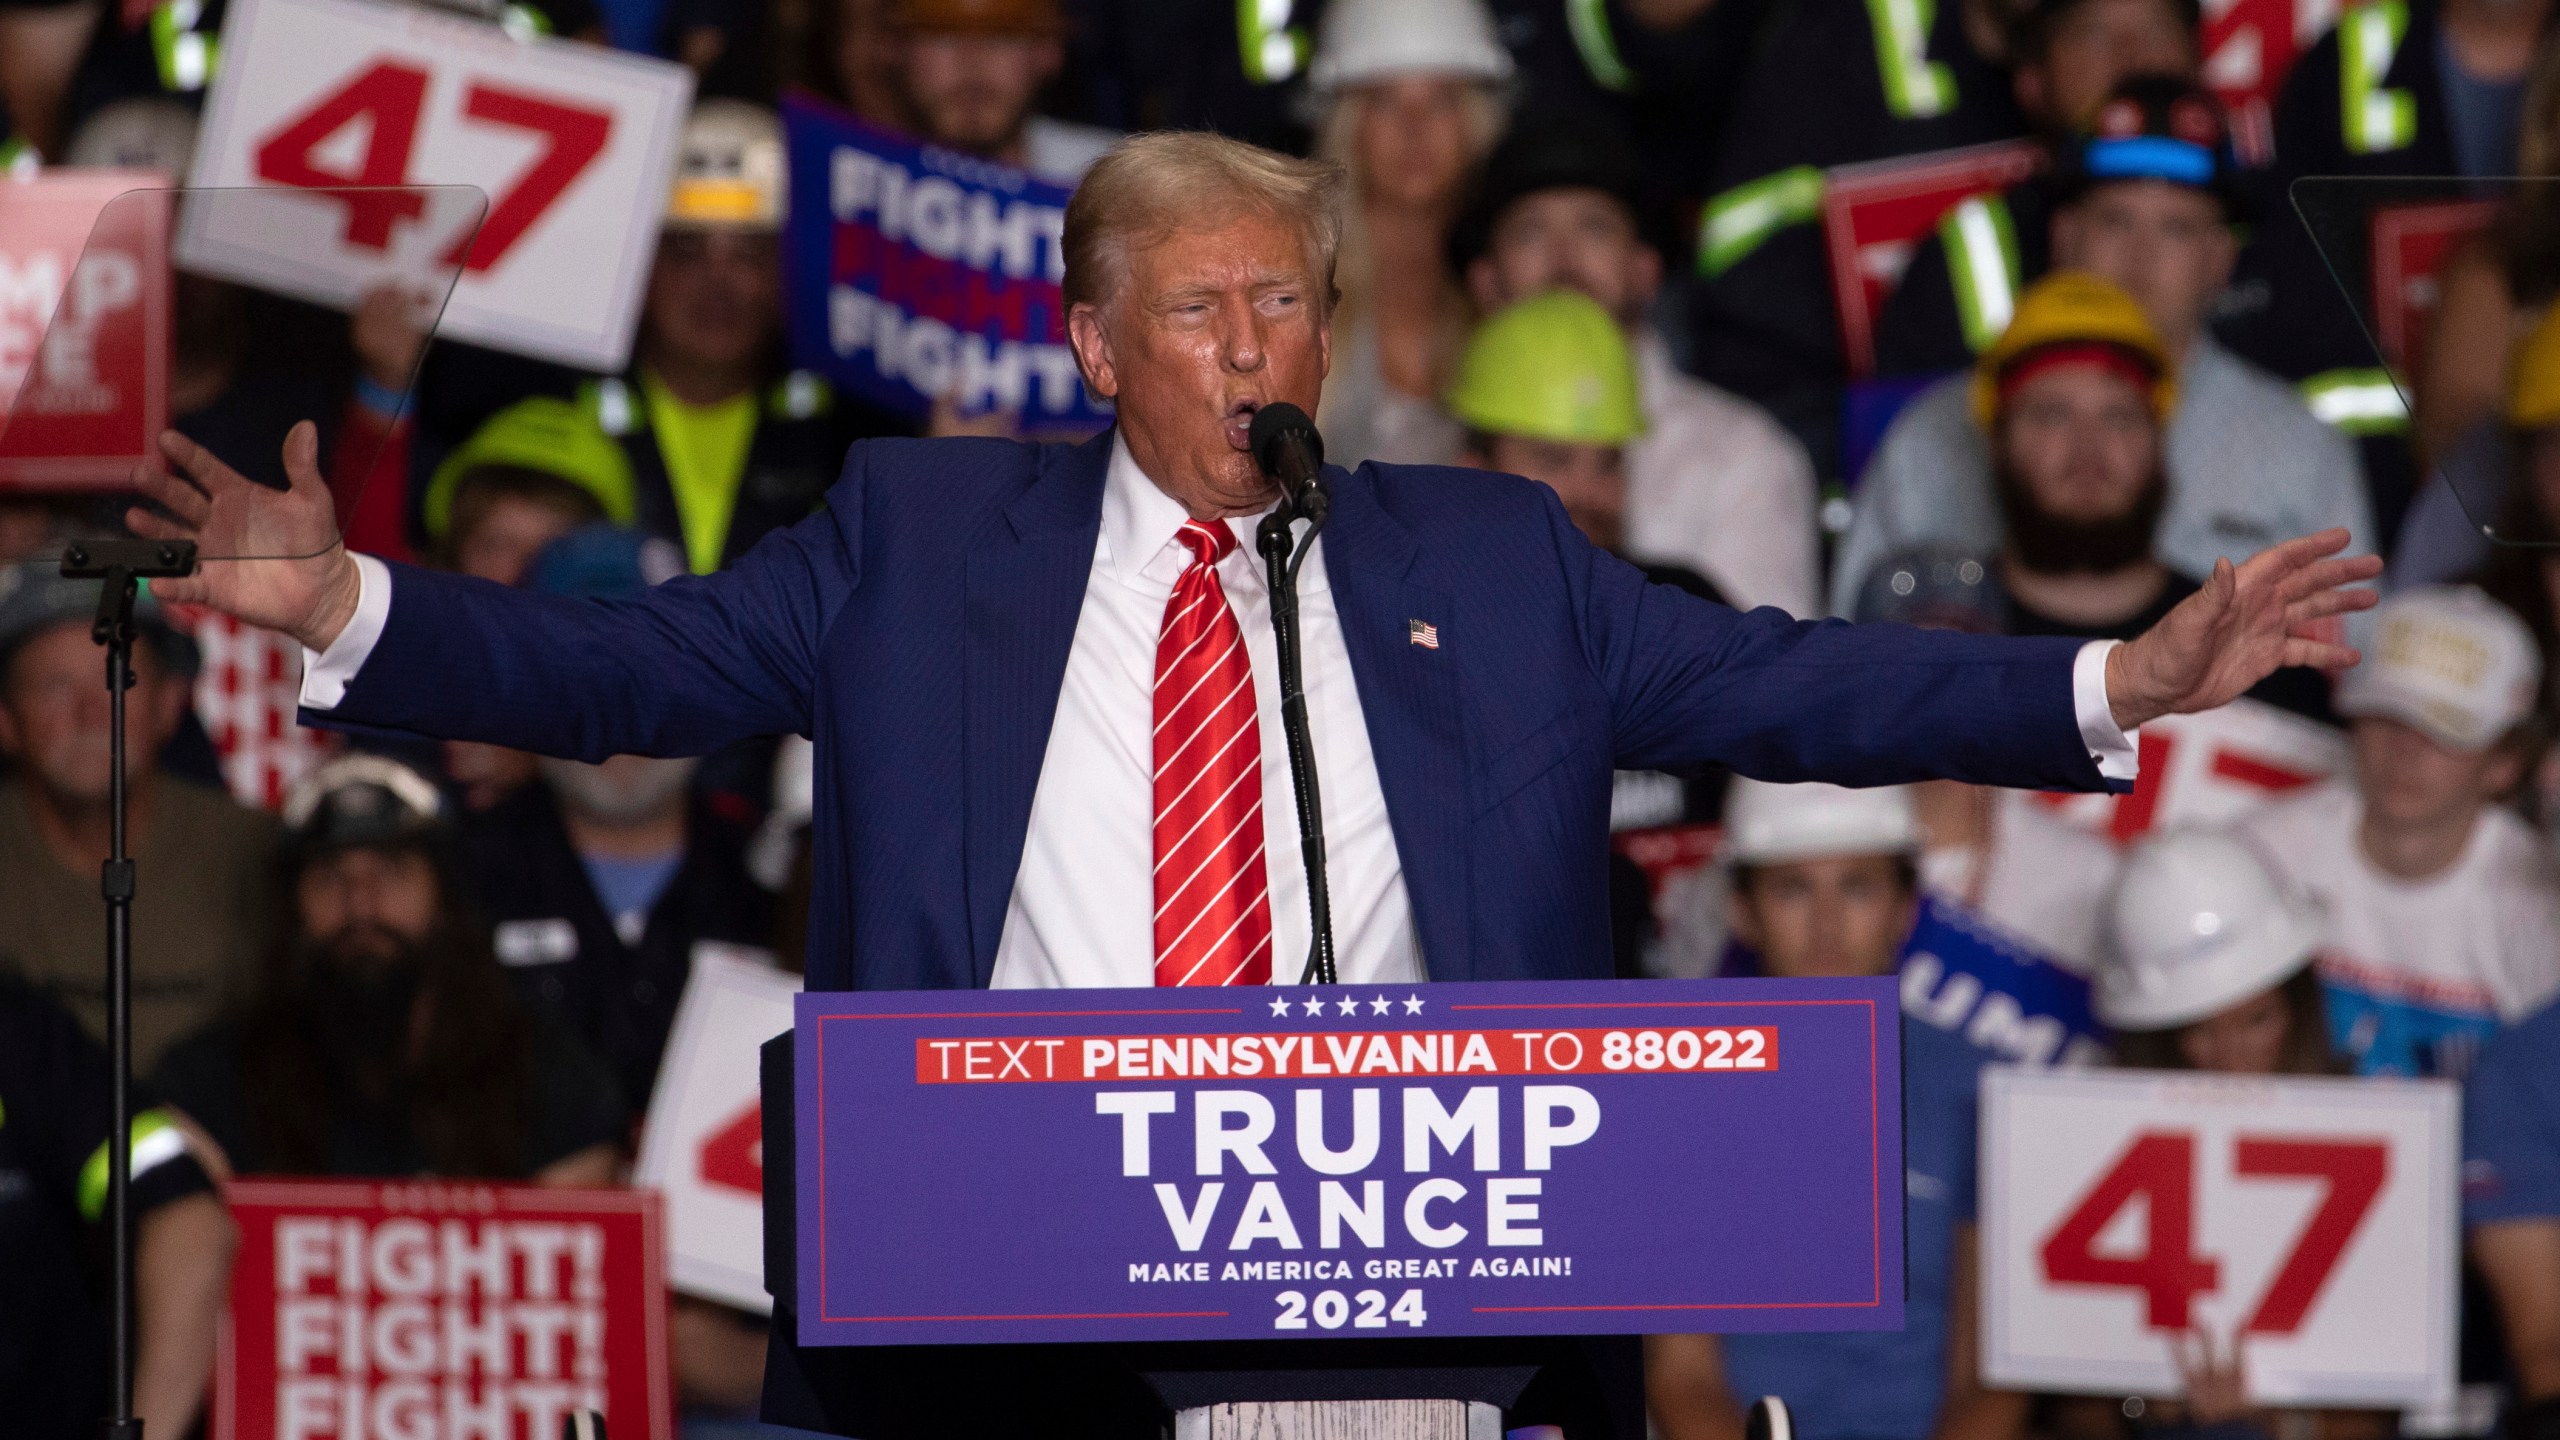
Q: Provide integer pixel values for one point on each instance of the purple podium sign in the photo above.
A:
(1272, 1162)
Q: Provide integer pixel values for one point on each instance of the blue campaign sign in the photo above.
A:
(1267, 1162)
(1963, 976)
(916, 273)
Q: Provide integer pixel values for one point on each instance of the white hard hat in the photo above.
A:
(1365, 40)
(728, 168)
(2448, 660)
(1766, 824)
(2197, 925)
(149, 132)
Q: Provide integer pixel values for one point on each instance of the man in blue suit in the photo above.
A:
(1042, 687)
(970, 630)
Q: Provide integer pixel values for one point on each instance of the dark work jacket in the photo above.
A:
(1816, 96)
(560, 947)
(801, 435)
(1928, 327)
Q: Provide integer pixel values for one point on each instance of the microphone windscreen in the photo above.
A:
(1281, 420)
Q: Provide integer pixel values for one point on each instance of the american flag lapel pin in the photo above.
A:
(1423, 633)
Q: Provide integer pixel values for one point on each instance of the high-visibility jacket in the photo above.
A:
(2366, 101)
(797, 447)
(1830, 82)
(1964, 279)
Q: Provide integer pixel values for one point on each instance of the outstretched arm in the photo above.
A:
(696, 663)
(2248, 621)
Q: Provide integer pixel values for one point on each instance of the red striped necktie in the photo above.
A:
(1213, 899)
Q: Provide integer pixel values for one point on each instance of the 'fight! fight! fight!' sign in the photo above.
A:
(1257, 1162)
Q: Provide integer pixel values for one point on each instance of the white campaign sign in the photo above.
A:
(2316, 1216)
(702, 1146)
(571, 145)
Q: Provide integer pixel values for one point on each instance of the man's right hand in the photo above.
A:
(237, 523)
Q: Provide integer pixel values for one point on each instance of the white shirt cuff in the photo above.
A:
(2111, 749)
(326, 673)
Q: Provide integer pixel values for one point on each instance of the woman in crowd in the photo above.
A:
(2211, 970)
(1412, 97)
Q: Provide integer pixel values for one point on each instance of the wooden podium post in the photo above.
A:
(1340, 1420)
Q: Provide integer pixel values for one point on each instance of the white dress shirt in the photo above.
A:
(1083, 906)
(1083, 909)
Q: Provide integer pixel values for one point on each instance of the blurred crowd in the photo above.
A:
(1593, 242)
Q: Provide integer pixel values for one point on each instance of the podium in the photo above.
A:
(1081, 1191)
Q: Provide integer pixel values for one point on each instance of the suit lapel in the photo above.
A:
(1409, 699)
(1025, 589)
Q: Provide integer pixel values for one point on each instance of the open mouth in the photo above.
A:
(1240, 423)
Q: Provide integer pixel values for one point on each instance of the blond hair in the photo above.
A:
(1153, 184)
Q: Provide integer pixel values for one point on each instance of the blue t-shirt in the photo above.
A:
(1887, 1385)
(2511, 1125)
(629, 889)
(2481, 115)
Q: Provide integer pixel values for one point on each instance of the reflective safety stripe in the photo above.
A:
(524, 22)
(2373, 119)
(156, 1141)
(800, 395)
(1589, 22)
(184, 55)
(615, 414)
(1273, 50)
(1915, 87)
(1982, 265)
(1737, 221)
(704, 449)
(2360, 402)
(18, 160)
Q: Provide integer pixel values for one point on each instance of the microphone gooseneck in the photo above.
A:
(1286, 446)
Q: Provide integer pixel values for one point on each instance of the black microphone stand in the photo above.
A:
(1273, 539)
(122, 564)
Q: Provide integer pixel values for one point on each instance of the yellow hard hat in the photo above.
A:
(2533, 376)
(728, 168)
(1556, 367)
(2071, 308)
(544, 434)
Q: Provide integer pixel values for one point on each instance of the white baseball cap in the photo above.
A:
(1365, 40)
(2196, 925)
(1766, 824)
(2448, 660)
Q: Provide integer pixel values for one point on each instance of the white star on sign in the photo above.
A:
(1315, 1007)
(1279, 1005)
(1350, 1006)
(1378, 1006)
(1413, 1004)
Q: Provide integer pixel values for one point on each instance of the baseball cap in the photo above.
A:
(1557, 147)
(361, 800)
(34, 598)
(2158, 127)
(2449, 661)
(1936, 588)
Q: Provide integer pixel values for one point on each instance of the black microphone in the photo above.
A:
(1285, 444)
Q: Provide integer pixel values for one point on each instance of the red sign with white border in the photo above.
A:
(1875, 212)
(441, 1310)
(84, 327)
(572, 144)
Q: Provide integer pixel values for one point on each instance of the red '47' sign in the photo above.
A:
(361, 1311)
(374, 105)
(2315, 1217)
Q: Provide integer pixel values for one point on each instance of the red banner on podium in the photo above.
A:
(84, 327)
(435, 1311)
(1873, 213)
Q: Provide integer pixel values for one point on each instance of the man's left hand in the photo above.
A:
(2245, 624)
